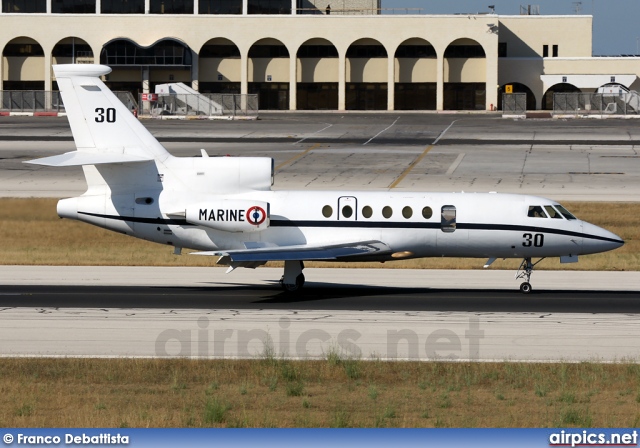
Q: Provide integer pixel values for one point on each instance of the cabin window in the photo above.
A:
(407, 212)
(367, 211)
(552, 212)
(448, 218)
(387, 212)
(427, 212)
(535, 211)
(327, 211)
(564, 212)
(347, 211)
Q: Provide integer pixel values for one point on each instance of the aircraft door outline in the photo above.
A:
(448, 218)
(347, 208)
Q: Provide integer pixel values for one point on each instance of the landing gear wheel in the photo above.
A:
(524, 272)
(293, 279)
(293, 288)
(525, 288)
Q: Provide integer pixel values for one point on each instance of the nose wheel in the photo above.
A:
(524, 272)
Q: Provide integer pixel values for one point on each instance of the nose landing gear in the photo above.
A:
(524, 272)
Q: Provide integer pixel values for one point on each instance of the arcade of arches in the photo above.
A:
(406, 79)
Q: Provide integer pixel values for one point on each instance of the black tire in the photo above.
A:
(293, 288)
(525, 288)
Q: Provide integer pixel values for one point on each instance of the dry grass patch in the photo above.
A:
(257, 393)
(34, 235)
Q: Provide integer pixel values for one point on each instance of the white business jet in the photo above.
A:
(224, 206)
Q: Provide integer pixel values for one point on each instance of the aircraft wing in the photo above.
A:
(301, 252)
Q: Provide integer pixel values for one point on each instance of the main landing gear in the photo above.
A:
(524, 272)
(293, 278)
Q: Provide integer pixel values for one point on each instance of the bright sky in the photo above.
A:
(616, 23)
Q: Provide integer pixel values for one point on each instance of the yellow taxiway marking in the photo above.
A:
(297, 156)
(411, 166)
(420, 157)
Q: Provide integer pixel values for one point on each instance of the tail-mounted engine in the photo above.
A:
(230, 215)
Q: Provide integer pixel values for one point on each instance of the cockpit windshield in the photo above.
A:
(536, 211)
(555, 211)
(564, 212)
(552, 212)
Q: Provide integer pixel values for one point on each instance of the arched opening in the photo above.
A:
(317, 83)
(547, 99)
(465, 75)
(366, 86)
(415, 75)
(24, 68)
(613, 88)
(167, 60)
(518, 88)
(71, 50)
(219, 67)
(269, 74)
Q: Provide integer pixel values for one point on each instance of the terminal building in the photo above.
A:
(310, 54)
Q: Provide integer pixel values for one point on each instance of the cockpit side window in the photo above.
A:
(552, 212)
(564, 212)
(535, 211)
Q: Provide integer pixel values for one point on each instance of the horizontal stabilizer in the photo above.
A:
(78, 158)
(304, 252)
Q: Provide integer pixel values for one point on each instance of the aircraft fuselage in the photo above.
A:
(483, 225)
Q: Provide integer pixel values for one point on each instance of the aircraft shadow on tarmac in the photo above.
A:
(320, 296)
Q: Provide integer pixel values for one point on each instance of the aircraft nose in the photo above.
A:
(596, 239)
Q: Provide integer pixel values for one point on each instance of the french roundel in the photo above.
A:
(256, 215)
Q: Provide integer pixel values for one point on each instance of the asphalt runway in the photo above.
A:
(425, 315)
(368, 323)
(392, 315)
(320, 297)
(581, 159)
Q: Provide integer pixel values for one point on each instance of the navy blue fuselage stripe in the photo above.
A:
(435, 225)
(373, 225)
(169, 221)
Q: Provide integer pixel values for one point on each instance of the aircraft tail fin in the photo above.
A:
(104, 129)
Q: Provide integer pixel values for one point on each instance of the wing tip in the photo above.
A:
(83, 70)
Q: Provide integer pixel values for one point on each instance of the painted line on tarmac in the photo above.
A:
(435, 142)
(411, 166)
(297, 156)
(419, 158)
(455, 164)
(311, 135)
(384, 130)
